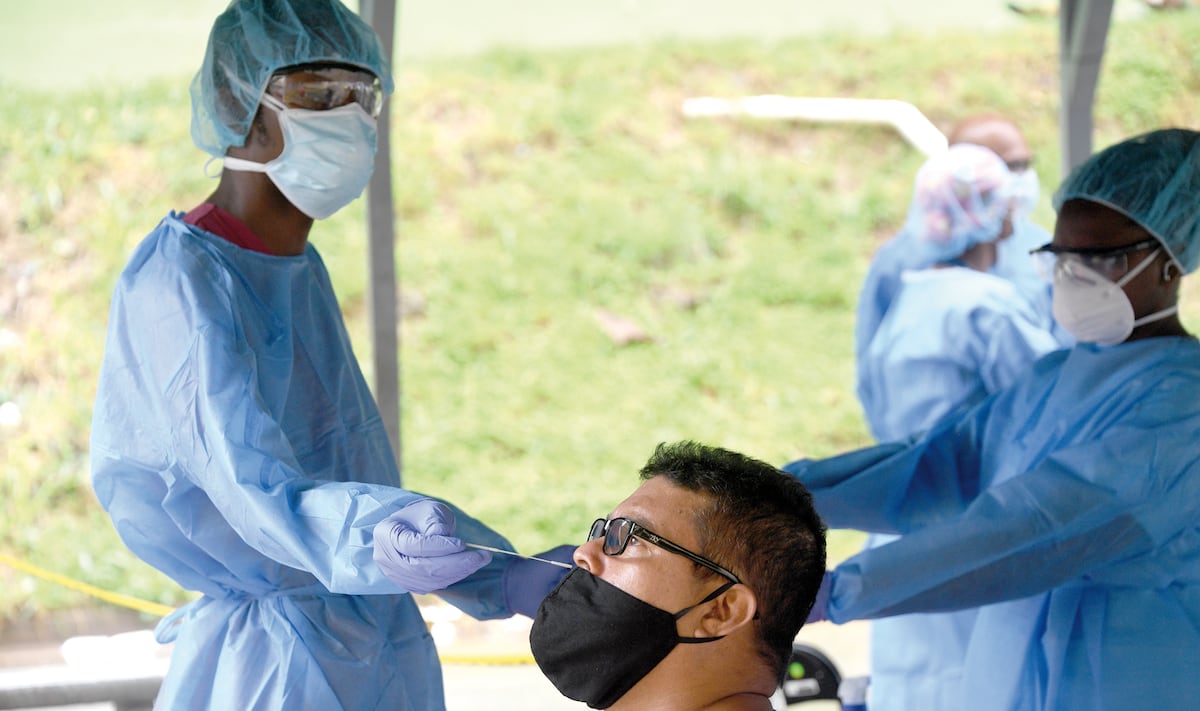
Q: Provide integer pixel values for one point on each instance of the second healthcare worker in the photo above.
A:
(954, 334)
(1064, 505)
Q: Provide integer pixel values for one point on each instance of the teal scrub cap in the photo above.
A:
(252, 40)
(1154, 180)
(960, 198)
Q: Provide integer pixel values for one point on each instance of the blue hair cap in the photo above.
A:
(1154, 180)
(252, 40)
(960, 199)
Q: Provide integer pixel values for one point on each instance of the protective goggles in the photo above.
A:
(324, 89)
(1111, 263)
(617, 532)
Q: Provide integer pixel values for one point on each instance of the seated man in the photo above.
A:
(690, 594)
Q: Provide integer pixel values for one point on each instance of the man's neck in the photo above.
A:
(697, 683)
(980, 257)
(690, 701)
(254, 199)
(1169, 326)
(743, 701)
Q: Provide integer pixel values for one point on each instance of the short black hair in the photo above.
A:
(760, 524)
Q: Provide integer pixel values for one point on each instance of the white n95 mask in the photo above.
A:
(1094, 308)
(327, 157)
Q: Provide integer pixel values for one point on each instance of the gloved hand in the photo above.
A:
(416, 549)
(820, 608)
(526, 581)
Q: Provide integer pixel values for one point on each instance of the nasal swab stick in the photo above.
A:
(527, 557)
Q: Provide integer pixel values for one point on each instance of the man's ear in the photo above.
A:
(1169, 270)
(732, 609)
(258, 138)
(259, 134)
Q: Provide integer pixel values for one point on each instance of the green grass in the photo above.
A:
(76, 43)
(534, 190)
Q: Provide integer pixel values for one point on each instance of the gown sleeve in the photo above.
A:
(898, 486)
(1085, 510)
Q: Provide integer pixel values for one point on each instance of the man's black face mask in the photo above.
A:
(594, 641)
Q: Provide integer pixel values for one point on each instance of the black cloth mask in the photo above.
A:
(594, 641)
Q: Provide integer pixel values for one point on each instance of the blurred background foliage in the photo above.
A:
(539, 195)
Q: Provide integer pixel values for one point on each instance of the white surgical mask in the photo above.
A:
(1025, 191)
(327, 157)
(1094, 308)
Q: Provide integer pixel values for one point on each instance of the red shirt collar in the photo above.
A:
(211, 218)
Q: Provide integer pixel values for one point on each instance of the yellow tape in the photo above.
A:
(154, 608)
(496, 659)
(133, 603)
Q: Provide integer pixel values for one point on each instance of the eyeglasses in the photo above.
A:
(1112, 263)
(319, 90)
(618, 531)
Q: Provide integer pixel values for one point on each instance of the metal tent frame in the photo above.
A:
(381, 247)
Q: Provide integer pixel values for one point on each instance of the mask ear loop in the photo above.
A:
(1157, 315)
(711, 596)
(271, 102)
(208, 173)
(1132, 273)
(265, 98)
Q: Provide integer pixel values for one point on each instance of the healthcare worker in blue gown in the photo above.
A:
(235, 443)
(954, 334)
(1064, 506)
(1013, 260)
(1013, 263)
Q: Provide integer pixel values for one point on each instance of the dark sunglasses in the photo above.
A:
(617, 532)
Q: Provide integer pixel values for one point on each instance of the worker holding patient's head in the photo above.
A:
(235, 443)
(1062, 506)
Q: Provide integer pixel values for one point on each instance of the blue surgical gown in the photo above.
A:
(1065, 507)
(237, 448)
(900, 254)
(951, 337)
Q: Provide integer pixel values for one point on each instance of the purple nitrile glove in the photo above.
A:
(526, 581)
(416, 549)
(820, 608)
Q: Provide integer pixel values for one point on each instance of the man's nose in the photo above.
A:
(589, 555)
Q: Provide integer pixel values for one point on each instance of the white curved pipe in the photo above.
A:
(901, 115)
